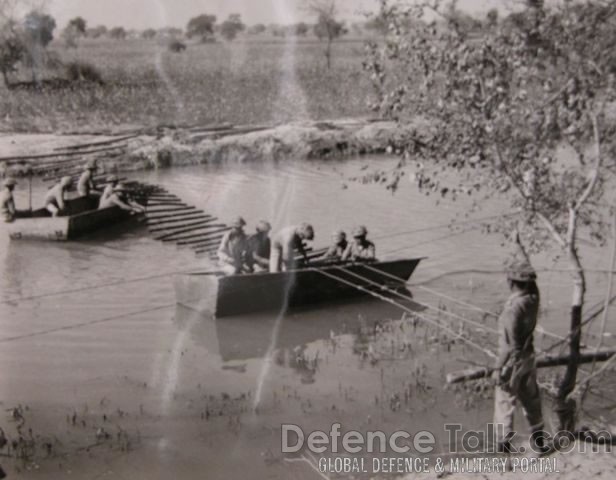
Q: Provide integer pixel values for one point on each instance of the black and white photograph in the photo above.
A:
(307, 239)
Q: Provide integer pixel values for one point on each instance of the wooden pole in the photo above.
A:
(542, 362)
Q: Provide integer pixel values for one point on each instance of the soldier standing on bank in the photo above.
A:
(515, 371)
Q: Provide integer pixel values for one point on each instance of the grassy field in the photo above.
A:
(243, 83)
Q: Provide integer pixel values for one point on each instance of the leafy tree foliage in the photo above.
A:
(520, 110)
(301, 29)
(148, 34)
(233, 25)
(257, 29)
(76, 28)
(38, 28)
(37, 33)
(118, 33)
(12, 50)
(78, 24)
(97, 31)
(201, 26)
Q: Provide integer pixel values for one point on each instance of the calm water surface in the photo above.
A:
(199, 395)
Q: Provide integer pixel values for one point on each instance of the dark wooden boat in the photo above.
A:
(223, 296)
(82, 217)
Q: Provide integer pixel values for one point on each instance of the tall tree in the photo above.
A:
(520, 112)
(232, 26)
(38, 28)
(201, 26)
(12, 50)
(327, 27)
(79, 24)
(75, 29)
(118, 33)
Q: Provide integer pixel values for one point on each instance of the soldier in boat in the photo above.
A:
(54, 200)
(233, 249)
(120, 198)
(515, 371)
(112, 183)
(284, 246)
(360, 249)
(260, 247)
(7, 202)
(85, 185)
(337, 248)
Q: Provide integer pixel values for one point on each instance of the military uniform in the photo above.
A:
(233, 248)
(7, 203)
(259, 246)
(516, 369)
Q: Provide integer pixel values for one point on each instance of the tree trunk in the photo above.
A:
(328, 53)
(5, 77)
(566, 406)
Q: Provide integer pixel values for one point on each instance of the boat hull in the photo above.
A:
(83, 217)
(238, 294)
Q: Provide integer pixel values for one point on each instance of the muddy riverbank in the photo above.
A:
(167, 147)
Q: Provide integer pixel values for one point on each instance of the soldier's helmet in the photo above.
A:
(9, 182)
(521, 271)
(360, 231)
(112, 179)
(263, 226)
(339, 235)
(306, 231)
(238, 222)
(91, 165)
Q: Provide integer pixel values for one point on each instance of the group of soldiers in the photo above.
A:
(239, 253)
(113, 194)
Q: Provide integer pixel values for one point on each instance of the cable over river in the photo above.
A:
(116, 381)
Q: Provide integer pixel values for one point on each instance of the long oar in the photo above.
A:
(176, 218)
(221, 227)
(179, 234)
(175, 228)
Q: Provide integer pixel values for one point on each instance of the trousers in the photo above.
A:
(522, 387)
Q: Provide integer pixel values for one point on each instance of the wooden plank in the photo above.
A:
(151, 213)
(542, 362)
(173, 234)
(221, 227)
(214, 240)
(157, 203)
(184, 224)
(204, 237)
(176, 218)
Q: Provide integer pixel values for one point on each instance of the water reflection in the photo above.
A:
(248, 337)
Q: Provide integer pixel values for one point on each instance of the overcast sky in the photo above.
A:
(142, 14)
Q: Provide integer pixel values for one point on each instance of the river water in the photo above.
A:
(94, 349)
